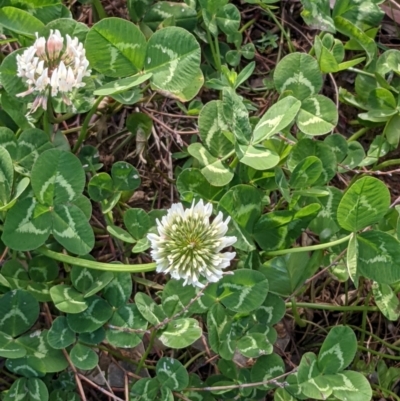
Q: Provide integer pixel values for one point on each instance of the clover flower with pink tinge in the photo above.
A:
(189, 246)
(52, 67)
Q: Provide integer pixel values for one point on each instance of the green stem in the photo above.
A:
(218, 53)
(387, 163)
(363, 327)
(356, 70)
(5, 382)
(9, 40)
(386, 356)
(334, 308)
(193, 358)
(385, 391)
(358, 134)
(62, 118)
(379, 154)
(234, 162)
(228, 156)
(117, 355)
(46, 124)
(101, 13)
(85, 125)
(308, 248)
(247, 24)
(90, 264)
(213, 52)
(48, 117)
(71, 130)
(377, 338)
(10, 375)
(123, 143)
(364, 319)
(346, 300)
(279, 25)
(300, 322)
(146, 353)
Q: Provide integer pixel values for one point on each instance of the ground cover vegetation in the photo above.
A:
(199, 200)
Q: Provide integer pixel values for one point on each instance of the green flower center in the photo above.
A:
(190, 243)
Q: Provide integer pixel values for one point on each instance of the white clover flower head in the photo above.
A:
(52, 67)
(188, 245)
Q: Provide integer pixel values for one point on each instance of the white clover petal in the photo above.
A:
(40, 67)
(54, 82)
(188, 245)
(26, 93)
(42, 81)
(65, 67)
(40, 46)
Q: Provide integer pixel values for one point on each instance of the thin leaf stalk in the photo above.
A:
(90, 264)
(147, 351)
(308, 248)
(84, 130)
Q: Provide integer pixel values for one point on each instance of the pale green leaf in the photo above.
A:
(181, 333)
(125, 176)
(137, 222)
(243, 204)
(83, 357)
(364, 203)
(122, 47)
(257, 157)
(211, 126)
(192, 183)
(347, 28)
(83, 278)
(318, 115)
(27, 389)
(57, 177)
(298, 73)
(353, 386)
(19, 189)
(386, 300)
(306, 172)
(6, 177)
(96, 314)
(41, 357)
(182, 15)
(118, 291)
(378, 256)
(172, 374)
(152, 312)
(122, 85)
(266, 368)
(65, 25)
(72, 230)
(30, 144)
(19, 21)
(127, 316)
(337, 350)
(277, 117)
(60, 335)
(254, 345)
(9, 348)
(217, 174)
(352, 259)
(67, 299)
(244, 291)
(18, 312)
(228, 19)
(173, 56)
(317, 15)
